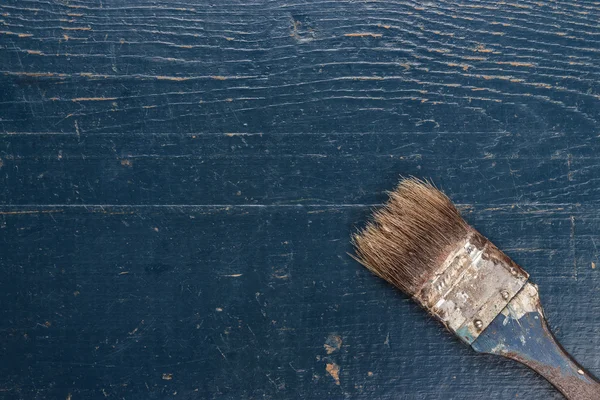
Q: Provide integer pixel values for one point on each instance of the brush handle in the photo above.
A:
(520, 333)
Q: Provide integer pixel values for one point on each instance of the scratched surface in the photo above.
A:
(179, 180)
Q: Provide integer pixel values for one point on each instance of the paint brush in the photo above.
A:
(419, 242)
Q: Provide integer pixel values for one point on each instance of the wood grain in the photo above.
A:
(112, 298)
(265, 66)
(180, 180)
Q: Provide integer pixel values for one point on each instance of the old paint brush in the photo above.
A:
(419, 242)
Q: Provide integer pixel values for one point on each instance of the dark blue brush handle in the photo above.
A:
(520, 333)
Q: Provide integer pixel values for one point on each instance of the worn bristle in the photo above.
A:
(410, 235)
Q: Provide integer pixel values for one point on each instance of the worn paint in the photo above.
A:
(520, 333)
(333, 343)
(472, 286)
(334, 370)
(362, 102)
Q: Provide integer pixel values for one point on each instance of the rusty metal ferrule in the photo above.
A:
(472, 286)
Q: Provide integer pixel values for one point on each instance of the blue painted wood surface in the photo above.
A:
(180, 180)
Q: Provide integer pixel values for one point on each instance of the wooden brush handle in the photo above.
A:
(520, 333)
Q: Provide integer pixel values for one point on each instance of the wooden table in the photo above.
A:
(179, 181)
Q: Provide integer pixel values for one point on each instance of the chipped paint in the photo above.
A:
(521, 334)
(334, 370)
(333, 343)
(526, 301)
(474, 283)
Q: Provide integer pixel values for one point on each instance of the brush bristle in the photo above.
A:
(411, 235)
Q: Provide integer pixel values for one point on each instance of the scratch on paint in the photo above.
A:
(93, 99)
(29, 212)
(365, 34)
(573, 249)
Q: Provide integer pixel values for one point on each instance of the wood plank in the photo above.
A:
(311, 66)
(294, 169)
(179, 181)
(148, 301)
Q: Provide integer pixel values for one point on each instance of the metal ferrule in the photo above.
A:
(472, 286)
